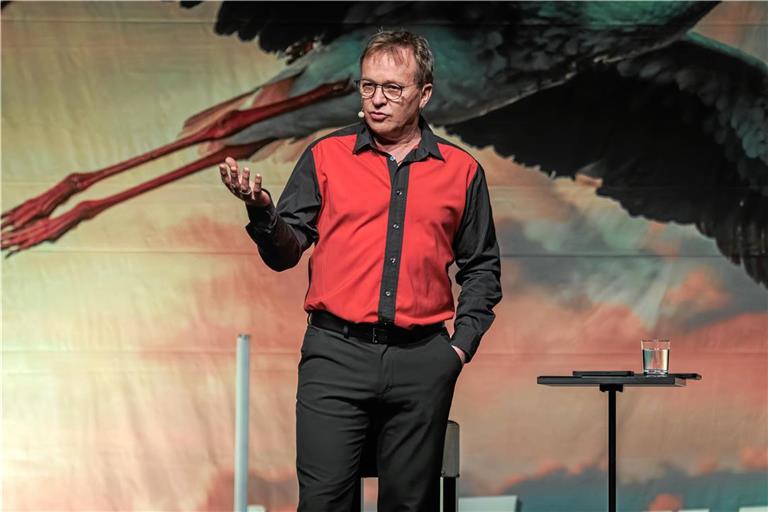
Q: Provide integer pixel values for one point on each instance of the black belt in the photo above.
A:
(373, 333)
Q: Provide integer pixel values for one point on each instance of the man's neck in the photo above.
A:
(408, 140)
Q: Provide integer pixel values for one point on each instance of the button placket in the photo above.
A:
(394, 240)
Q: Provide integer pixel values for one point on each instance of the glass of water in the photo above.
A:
(655, 356)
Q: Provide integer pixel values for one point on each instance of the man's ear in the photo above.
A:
(426, 93)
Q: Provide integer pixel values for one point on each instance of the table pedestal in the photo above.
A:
(612, 389)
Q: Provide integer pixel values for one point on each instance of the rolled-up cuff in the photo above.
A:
(262, 218)
(467, 339)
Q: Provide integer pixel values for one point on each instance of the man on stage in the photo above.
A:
(389, 206)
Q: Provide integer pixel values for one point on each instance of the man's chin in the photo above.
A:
(381, 129)
(380, 124)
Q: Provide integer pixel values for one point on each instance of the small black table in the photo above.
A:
(613, 381)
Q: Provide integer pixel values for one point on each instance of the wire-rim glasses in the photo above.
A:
(391, 91)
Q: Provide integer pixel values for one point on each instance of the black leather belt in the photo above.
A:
(373, 333)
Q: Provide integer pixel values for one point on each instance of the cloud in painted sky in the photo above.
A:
(722, 491)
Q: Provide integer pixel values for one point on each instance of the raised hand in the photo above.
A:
(238, 182)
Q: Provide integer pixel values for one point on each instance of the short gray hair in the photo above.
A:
(390, 41)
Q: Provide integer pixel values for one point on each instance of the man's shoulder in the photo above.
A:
(348, 132)
(455, 152)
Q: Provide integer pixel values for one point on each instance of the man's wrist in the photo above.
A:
(459, 352)
(262, 221)
(466, 339)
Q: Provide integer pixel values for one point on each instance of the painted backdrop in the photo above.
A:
(118, 332)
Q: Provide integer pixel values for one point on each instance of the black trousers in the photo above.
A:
(348, 387)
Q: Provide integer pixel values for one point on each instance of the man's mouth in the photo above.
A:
(378, 116)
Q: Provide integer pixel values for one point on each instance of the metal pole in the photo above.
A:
(611, 389)
(241, 422)
(612, 450)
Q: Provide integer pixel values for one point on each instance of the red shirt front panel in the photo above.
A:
(356, 190)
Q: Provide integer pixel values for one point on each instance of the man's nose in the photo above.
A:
(378, 97)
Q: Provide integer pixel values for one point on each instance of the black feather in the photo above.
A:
(645, 142)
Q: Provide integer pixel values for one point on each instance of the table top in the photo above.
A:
(596, 379)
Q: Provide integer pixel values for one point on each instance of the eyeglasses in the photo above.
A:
(390, 90)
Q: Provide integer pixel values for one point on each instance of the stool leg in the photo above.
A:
(449, 497)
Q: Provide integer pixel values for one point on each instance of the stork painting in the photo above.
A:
(625, 146)
(539, 82)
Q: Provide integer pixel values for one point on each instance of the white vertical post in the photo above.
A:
(241, 422)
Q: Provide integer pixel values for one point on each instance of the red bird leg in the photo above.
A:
(230, 123)
(51, 229)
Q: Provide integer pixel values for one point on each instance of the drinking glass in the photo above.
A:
(655, 356)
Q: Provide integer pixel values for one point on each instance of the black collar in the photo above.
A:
(427, 145)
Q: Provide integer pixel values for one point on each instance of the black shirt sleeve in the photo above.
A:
(284, 232)
(477, 257)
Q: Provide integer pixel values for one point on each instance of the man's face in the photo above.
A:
(391, 119)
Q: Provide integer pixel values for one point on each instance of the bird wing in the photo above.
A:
(290, 28)
(675, 135)
(293, 28)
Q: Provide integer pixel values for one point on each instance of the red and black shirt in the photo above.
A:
(385, 234)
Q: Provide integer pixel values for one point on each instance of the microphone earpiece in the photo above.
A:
(361, 114)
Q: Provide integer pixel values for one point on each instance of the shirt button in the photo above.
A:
(392, 158)
(392, 260)
(396, 226)
(399, 192)
(387, 293)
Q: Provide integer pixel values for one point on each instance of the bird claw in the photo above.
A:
(42, 205)
(46, 230)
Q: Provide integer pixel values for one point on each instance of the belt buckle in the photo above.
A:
(382, 335)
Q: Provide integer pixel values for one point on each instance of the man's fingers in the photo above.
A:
(239, 182)
(231, 163)
(244, 178)
(224, 172)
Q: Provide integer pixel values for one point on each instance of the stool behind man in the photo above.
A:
(389, 206)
